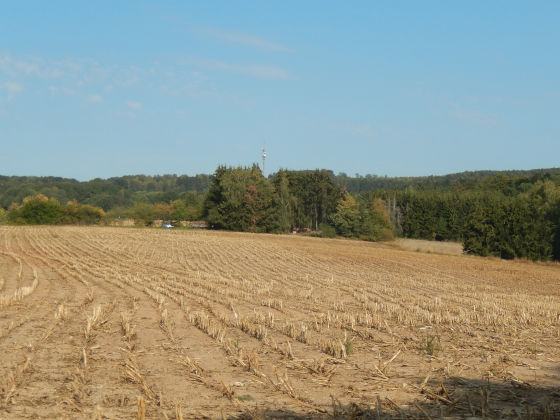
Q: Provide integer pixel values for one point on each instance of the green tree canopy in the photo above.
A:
(36, 210)
(241, 199)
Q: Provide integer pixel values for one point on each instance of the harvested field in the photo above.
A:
(419, 245)
(133, 323)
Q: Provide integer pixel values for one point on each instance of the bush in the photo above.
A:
(37, 210)
(40, 210)
(143, 214)
(82, 214)
(326, 231)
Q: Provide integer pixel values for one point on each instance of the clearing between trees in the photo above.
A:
(135, 323)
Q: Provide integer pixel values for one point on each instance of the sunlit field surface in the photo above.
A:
(419, 245)
(106, 323)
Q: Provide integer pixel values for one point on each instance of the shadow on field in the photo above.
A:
(456, 398)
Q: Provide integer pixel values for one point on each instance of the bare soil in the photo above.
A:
(111, 323)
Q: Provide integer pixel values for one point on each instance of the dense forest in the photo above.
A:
(509, 214)
(462, 181)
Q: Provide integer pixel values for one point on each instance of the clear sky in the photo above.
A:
(400, 88)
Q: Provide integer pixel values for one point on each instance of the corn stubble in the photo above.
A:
(146, 323)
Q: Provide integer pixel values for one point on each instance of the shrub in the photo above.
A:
(82, 214)
(36, 210)
(327, 231)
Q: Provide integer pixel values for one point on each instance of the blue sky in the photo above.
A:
(398, 88)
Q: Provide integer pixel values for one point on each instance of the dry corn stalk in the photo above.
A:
(178, 412)
(132, 373)
(141, 409)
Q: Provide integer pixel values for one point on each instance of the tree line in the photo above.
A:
(511, 214)
(506, 217)
(242, 199)
(125, 191)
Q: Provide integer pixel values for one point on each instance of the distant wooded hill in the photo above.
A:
(462, 181)
(131, 189)
(105, 193)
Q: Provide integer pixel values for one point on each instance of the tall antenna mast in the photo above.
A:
(263, 160)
